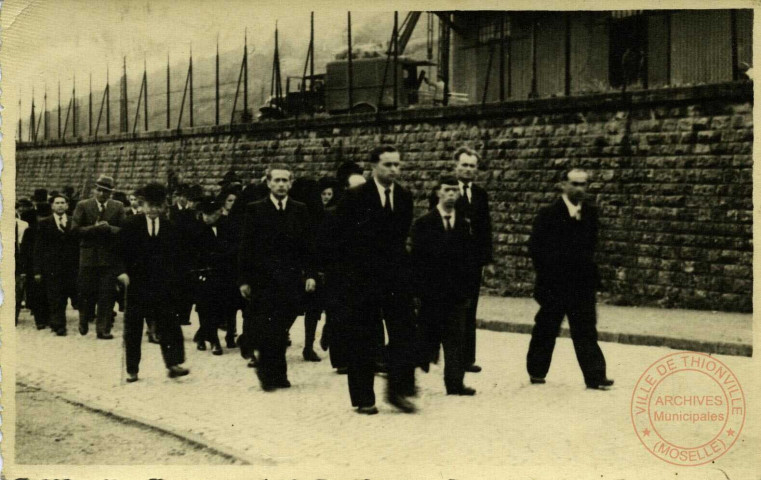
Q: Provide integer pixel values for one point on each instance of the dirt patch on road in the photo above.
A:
(50, 430)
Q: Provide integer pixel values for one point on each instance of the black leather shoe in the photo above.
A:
(83, 328)
(132, 377)
(216, 349)
(464, 391)
(604, 384)
(401, 403)
(201, 346)
(310, 355)
(473, 368)
(177, 371)
(231, 342)
(42, 326)
(61, 332)
(371, 410)
(252, 363)
(537, 380)
(105, 336)
(342, 370)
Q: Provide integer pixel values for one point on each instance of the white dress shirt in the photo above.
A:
(469, 195)
(150, 226)
(444, 213)
(382, 193)
(274, 201)
(573, 210)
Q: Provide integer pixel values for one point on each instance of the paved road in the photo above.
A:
(93, 438)
(510, 424)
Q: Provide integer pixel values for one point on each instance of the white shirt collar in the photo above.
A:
(573, 210)
(382, 192)
(442, 212)
(148, 223)
(274, 201)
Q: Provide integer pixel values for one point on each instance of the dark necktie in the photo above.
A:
(153, 227)
(465, 189)
(61, 225)
(387, 206)
(280, 207)
(448, 226)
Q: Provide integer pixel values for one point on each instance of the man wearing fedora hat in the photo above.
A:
(97, 222)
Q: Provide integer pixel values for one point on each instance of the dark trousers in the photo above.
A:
(211, 308)
(469, 345)
(362, 332)
(159, 309)
(247, 341)
(60, 288)
(229, 321)
(37, 302)
(273, 335)
(97, 286)
(582, 320)
(446, 325)
(313, 306)
(337, 339)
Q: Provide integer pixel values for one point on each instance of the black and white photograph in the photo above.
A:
(354, 240)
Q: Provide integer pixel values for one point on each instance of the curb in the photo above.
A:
(721, 348)
(130, 419)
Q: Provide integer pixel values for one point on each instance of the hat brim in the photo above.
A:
(104, 187)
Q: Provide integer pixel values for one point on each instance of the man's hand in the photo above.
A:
(124, 279)
(245, 291)
(311, 285)
(38, 278)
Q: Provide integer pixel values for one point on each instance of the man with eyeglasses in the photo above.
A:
(97, 221)
(562, 247)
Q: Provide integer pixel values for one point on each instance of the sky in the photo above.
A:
(48, 41)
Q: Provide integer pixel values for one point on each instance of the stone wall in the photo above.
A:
(671, 173)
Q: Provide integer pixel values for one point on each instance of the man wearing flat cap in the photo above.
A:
(96, 222)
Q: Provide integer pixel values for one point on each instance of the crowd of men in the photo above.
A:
(345, 246)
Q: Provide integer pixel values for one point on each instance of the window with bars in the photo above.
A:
(489, 28)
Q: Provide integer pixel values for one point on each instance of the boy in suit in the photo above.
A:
(444, 260)
(150, 272)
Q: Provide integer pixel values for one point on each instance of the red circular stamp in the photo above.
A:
(688, 408)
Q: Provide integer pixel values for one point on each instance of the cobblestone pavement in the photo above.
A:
(508, 424)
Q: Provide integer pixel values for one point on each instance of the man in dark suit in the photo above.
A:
(275, 258)
(56, 258)
(474, 204)
(373, 224)
(445, 259)
(97, 222)
(183, 216)
(562, 247)
(150, 263)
